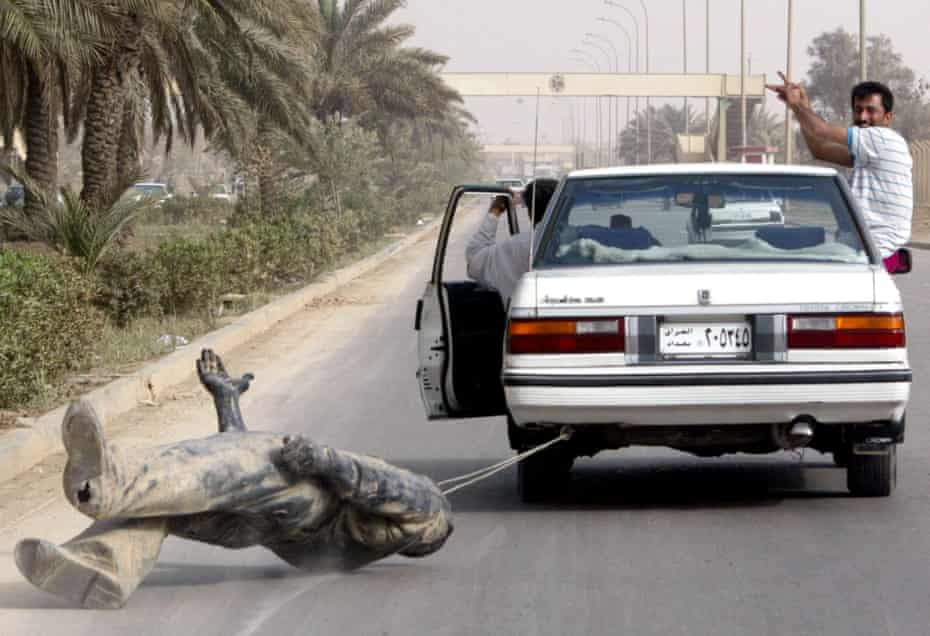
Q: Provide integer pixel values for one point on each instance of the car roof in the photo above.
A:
(703, 168)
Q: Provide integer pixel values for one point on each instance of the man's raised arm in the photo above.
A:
(826, 141)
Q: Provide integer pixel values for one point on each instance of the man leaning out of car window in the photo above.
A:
(501, 265)
(881, 178)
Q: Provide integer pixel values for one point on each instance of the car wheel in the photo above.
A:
(542, 475)
(872, 475)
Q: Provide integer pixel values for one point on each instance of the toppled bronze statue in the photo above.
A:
(313, 506)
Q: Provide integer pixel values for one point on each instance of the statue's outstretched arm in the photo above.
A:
(225, 390)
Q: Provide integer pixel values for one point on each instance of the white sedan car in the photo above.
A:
(639, 325)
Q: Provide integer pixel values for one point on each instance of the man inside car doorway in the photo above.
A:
(501, 265)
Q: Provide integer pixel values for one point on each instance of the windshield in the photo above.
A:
(702, 218)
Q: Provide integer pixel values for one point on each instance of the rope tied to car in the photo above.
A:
(484, 473)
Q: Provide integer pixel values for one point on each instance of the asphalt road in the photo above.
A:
(643, 542)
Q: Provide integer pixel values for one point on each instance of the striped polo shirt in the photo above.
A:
(882, 184)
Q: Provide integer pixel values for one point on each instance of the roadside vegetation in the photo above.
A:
(337, 131)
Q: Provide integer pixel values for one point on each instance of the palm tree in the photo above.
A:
(363, 68)
(160, 66)
(258, 88)
(765, 128)
(43, 46)
(667, 123)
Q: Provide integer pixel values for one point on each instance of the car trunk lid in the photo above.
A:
(682, 287)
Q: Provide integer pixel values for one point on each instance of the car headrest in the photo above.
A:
(621, 222)
(792, 238)
(627, 239)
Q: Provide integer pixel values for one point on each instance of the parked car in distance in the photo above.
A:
(154, 190)
(510, 182)
(221, 192)
(514, 185)
(641, 324)
(14, 195)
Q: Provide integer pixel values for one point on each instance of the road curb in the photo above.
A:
(38, 438)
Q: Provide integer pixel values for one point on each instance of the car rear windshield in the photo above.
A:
(702, 218)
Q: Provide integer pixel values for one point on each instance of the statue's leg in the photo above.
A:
(225, 390)
(233, 472)
(101, 567)
(392, 509)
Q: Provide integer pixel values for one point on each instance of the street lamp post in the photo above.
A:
(863, 50)
(789, 132)
(684, 52)
(642, 3)
(591, 59)
(629, 42)
(707, 70)
(592, 41)
(584, 118)
(742, 78)
(616, 99)
(633, 17)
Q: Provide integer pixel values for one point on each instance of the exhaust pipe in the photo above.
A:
(798, 433)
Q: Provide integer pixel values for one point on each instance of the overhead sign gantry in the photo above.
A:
(724, 88)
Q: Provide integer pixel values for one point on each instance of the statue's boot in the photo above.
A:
(90, 477)
(98, 569)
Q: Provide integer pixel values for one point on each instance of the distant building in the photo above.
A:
(755, 154)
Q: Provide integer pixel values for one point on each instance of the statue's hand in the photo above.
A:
(302, 457)
(211, 371)
(214, 377)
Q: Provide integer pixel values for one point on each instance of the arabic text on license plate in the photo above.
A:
(705, 339)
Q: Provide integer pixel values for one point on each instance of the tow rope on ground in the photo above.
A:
(484, 473)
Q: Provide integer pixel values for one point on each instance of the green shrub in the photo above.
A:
(320, 240)
(193, 280)
(49, 324)
(179, 210)
(132, 285)
(238, 257)
(284, 257)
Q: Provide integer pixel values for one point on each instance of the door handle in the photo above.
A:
(416, 320)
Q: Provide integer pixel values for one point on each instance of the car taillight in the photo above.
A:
(857, 331)
(603, 335)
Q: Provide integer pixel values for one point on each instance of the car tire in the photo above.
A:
(541, 476)
(872, 475)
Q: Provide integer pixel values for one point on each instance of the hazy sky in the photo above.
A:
(537, 35)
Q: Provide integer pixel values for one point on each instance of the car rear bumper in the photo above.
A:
(676, 399)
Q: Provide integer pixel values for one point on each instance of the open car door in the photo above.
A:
(461, 324)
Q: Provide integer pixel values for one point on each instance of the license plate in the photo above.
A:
(705, 339)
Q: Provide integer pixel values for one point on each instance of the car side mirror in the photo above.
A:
(901, 263)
